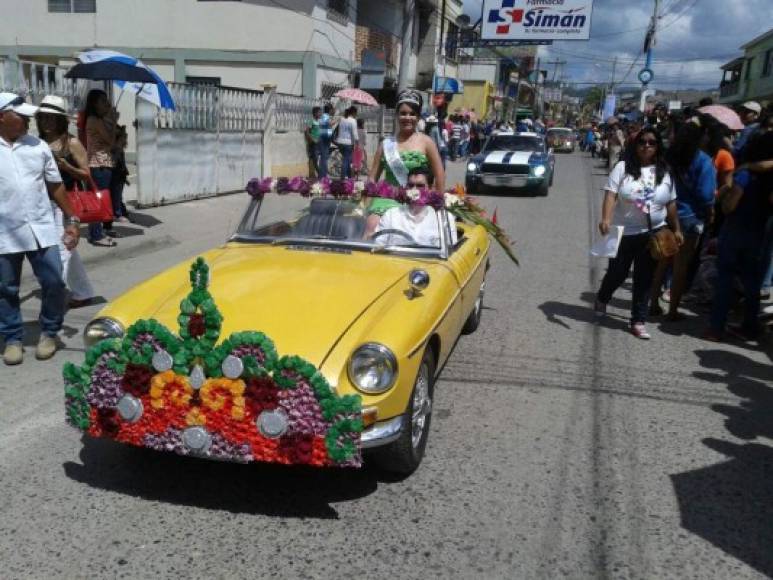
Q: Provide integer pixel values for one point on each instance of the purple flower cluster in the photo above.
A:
(146, 338)
(303, 410)
(250, 349)
(169, 440)
(105, 391)
(342, 188)
(223, 449)
(257, 187)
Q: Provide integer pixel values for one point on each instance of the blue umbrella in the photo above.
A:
(127, 72)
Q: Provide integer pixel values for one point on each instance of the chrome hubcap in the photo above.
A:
(479, 301)
(422, 405)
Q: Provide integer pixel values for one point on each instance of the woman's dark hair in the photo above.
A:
(716, 133)
(351, 111)
(61, 124)
(631, 157)
(687, 142)
(90, 110)
(423, 170)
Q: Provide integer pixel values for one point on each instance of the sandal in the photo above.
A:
(105, 243)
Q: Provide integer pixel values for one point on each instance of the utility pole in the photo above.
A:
(406, 44)
(649, 42)
(558, 63)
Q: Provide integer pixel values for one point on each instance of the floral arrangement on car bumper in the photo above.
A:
(235, 401)
(462, 206)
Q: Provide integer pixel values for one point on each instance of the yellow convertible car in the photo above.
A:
(306, 338)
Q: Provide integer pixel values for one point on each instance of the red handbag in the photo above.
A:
(91, 206)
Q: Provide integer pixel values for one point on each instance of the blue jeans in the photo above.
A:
(47, 265)
(634, 250)
(324, 153)
(103, 178)
(767, 257)
(346, 161)
(464, 148)
(738, 253)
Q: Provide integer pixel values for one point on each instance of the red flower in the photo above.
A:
(136, 379)
(260, 394)
(108, 421)
(196, 326)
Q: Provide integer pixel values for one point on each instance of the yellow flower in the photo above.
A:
(213, 397)
(195, 417)
(175, 386)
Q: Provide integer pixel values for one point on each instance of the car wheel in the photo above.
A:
(473, 320)
(550, 183)
(542, 190)
(404, 455)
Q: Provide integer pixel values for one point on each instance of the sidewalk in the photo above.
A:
(199, 224)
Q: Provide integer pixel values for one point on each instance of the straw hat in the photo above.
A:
(53, 105)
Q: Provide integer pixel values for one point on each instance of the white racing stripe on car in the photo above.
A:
(495, 157)
(520, 158)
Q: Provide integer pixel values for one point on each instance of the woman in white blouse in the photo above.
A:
(640, 197)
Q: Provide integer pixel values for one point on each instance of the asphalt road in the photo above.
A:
(559, 447)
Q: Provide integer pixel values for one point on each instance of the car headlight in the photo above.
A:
(472, 167)
(373, 368)
(100, 329)
(539, 170)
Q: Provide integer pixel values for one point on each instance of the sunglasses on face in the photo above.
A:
(648, 143)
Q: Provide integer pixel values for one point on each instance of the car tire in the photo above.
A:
(543, 189)
(403, 456)
(473, 320)
(550, 183)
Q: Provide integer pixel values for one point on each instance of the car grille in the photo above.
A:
(506, 169)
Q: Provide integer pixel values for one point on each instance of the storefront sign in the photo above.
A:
(536, 19)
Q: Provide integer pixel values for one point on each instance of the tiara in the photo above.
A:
(410, 96)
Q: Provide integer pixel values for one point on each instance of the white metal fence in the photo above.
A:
(215, 140)
(36, 80)
(211, 144)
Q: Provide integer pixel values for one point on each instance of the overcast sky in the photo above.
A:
(695, 37)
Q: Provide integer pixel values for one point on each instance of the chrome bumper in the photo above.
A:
(504, 180)
(382, 433)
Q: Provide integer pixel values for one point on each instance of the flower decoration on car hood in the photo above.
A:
(236, 401)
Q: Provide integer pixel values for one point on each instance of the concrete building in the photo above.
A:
(380, 29)
(749, 77)
(304, 47)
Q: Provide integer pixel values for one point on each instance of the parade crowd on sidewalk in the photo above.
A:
(693, 199)
(38, 177)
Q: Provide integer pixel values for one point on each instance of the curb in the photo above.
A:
(121, 252)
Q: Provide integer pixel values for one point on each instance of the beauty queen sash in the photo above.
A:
(392, 156)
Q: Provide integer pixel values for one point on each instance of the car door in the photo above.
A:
(467, 261)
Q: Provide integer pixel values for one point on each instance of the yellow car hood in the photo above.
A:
(303, 300)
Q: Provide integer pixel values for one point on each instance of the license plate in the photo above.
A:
(503, 180)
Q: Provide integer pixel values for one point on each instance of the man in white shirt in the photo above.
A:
(28, 176)
(421, 222)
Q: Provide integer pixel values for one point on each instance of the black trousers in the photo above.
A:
(634, 251)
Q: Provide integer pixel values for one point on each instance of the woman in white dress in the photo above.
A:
(71, 158)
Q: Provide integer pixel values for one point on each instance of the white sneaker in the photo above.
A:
(639, 330)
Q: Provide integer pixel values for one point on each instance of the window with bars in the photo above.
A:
(73, 6)
(767, 67)
(338, 10)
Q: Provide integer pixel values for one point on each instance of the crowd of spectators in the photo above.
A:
(718, 185)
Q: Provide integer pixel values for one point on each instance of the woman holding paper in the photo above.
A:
(640, 197)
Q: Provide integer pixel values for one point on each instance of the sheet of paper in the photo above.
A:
(606, 246)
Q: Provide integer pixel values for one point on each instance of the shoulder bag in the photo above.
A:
(662, 242)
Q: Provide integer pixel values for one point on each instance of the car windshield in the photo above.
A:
(345, 225)
(513, 143)
(560, 133)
